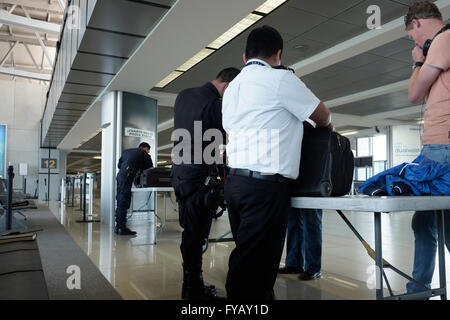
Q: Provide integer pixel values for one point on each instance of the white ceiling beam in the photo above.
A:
(31, 56)
(61, 5)
(85, 151)
(28, 23)
(165, 125)
(165, 147)
(35, 4)
(367, 94)
(395, 113)
(9, 11)
(340, 120)
(38, 36)
(10, 51)
(369, 40)
(25, 39)
(25, 74)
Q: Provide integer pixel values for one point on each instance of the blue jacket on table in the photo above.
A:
(421, 177)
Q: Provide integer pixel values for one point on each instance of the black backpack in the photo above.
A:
(326, 165)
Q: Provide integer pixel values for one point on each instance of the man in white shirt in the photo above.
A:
(263, 110)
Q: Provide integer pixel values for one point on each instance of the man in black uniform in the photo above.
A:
(202, 105)
(132, 161)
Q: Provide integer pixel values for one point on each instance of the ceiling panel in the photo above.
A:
(327, 8)
(97, 63)
(108, 43)
(393, 47)
(89, 78)
(385, 66)
(93, 144)
(79, 98)
(71, 106)
(82, 89)
(125, 16)
(333, 31)
(287, 21)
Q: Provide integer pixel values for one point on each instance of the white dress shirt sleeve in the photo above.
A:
(296, 97)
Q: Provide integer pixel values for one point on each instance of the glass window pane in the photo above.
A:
(361, 174)
(363, 147)
(379, 166)
(379, 148)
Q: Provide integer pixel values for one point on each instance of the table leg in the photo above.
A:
(441, 250)
(378, 256)
(165, 211)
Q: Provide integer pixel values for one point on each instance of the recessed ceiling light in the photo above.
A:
(235, 30)
(270, 5)
(169, 79)
(195, 59)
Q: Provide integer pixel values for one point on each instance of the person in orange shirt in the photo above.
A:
(430, 81)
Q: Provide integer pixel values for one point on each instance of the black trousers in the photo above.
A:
(194, 217)
(123, 196)
(257, 210)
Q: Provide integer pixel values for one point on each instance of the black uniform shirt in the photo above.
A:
(198, 104)
(136, 159)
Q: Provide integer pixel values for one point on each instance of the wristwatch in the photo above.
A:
(416, 65)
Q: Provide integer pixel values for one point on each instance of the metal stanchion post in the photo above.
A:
(9, 198)
(81, 193)
(84, 204)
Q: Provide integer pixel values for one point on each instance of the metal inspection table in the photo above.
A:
(153, 190)
(377, 205)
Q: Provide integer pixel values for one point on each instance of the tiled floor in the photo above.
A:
(140, 270)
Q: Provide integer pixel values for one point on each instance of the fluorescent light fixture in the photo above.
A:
(195, 59)
(169, 79)
(348, 133)
(97, 157)
(226, 37)
(235, 31)
(420, 122)
(161, 162)
(269, 6)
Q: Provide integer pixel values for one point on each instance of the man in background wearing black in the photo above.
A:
(131, 161)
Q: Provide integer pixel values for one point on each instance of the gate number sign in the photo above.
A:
(49, 164)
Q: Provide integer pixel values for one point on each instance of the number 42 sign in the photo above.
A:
(49, 164)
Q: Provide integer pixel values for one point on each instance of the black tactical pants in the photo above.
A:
(194, 217)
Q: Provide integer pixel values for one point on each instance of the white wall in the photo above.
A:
(21, 107)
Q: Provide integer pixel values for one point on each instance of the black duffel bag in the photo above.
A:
(154, 177)
(326, 165)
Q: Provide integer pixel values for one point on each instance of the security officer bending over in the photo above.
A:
(201, 104)
(132, 161)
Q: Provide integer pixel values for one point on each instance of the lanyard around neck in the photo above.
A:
(255, 62)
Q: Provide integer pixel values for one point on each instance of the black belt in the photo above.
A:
(257, 175)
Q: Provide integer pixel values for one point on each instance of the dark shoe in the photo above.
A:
(195, 289)
(309, 276)
(290, 270)
(124, 231)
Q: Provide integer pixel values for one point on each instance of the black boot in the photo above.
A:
(124, 231)
(195, 289)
